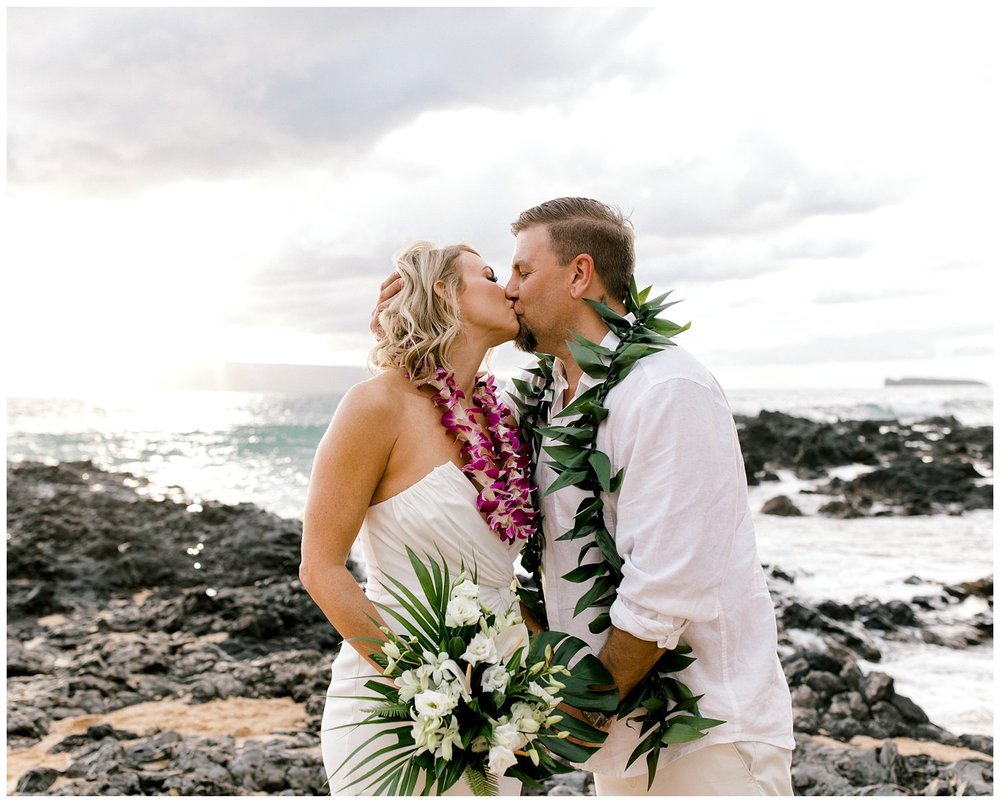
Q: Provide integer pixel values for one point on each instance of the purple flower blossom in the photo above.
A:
(496, 461)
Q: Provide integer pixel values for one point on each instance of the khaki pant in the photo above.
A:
(740, 768)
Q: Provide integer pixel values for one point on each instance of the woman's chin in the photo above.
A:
(506, 334)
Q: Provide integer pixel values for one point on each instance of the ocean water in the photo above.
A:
(251, 447)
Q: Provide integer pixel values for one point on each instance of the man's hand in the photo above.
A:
(387, 290)
(569, 711)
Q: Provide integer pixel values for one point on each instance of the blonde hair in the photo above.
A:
(420, 326)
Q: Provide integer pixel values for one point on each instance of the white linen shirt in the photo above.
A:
(681, 523)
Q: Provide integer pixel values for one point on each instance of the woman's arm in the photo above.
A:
(349, 463)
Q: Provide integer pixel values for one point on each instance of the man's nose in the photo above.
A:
(511, 289)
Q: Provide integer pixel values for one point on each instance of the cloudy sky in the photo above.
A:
(817, 180)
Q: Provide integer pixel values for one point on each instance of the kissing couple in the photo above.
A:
(429, 456)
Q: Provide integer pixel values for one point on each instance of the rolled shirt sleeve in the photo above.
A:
(677, 510)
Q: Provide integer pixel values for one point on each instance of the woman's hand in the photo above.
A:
(387, 290)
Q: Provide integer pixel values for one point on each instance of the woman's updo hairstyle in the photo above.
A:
(420, 326)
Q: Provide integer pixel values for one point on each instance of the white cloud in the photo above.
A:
(793, 170)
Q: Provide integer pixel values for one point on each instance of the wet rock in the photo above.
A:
(838, 509)
(981, 744)
(271, 768)
(158, 747)
(780, 506)
(36, 781)
(94, 733)
(575, 783)
(825, 683)
(920, 488)
(26, 721)
(963, 778)
(878, 687)
(257, 634)
(909, 710)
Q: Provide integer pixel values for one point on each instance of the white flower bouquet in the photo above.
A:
(464, 694)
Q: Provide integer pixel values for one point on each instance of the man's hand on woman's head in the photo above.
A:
(387, 290)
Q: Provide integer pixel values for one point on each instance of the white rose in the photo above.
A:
(466, 589)
(461, 611)
(501, 759)
(481, 650)
(434, 704)
(495, 678)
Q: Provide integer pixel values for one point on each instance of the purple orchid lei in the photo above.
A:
(498, 463)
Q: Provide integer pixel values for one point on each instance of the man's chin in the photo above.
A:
(525, 340)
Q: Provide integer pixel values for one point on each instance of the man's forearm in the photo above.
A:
(628, 659)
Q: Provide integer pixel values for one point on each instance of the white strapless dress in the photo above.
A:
(436, 515)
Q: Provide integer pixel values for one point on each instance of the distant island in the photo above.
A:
(909, 380)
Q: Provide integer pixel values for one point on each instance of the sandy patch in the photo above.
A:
(911, 747)
(240, 717)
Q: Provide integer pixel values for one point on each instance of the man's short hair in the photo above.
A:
(585, 226)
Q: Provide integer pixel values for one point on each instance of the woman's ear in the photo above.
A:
(581, 276)
(440, 289)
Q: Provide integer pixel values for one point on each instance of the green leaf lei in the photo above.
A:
(671, 710)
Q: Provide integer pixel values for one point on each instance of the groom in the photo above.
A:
(680, 520)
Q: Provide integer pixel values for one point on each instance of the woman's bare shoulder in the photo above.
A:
(381, 396)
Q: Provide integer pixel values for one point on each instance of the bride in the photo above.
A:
(422, 456)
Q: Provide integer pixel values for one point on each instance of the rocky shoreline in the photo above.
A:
(160, 647)
(932, 466)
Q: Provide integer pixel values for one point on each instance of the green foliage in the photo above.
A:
(481, 783)
(669, 711)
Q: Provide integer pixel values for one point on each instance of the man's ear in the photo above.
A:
(582, 275)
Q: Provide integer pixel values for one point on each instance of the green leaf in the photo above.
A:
(607, 314)
(570, 751)
(600, 623)
(602, 585)
(573, 408)
(588, 507)
(616, 481)
(679, 734)
(584, 572)
(567, 434)
(608, 549)
(652, 759)
(569, 456)
(589, 362)
(522, 387)
(673, 661)
(566, 479)
(481, 783)
(601, 464)
(668, 328)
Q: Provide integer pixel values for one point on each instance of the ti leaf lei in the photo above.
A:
(671, 710)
